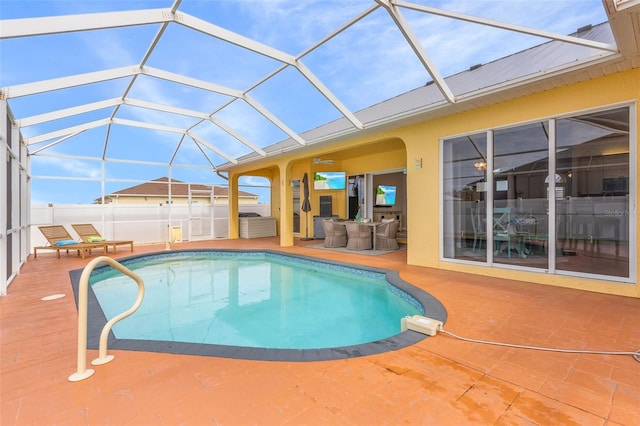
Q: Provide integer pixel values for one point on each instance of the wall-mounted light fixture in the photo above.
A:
(418, 163)
(480, 165)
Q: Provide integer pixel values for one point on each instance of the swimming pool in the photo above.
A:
(256, 305)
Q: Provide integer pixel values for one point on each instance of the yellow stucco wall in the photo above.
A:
(272, 174)
(422, 141)
(366, 161)
(386, 150)
(383, 155)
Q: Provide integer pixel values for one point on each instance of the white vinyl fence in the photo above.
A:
(142, 223)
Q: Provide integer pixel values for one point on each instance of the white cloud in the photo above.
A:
(253, 181)
(69, 167)
(109, 49)
(297, 24)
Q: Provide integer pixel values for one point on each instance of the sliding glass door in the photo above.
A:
(520, 203)
(592, 157)
(464, 197)
(551, 195)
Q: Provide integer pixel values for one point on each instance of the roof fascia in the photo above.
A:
(624, 18)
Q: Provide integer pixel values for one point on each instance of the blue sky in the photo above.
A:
(366, 64)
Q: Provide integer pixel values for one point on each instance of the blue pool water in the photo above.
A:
(253, 299)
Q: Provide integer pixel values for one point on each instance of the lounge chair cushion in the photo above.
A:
(95, 239)
(66, 242)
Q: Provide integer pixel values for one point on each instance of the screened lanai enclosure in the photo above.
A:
(100, 97)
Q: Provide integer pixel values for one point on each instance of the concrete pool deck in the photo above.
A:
(439, 380)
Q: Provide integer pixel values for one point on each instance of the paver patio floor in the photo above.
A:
(439, 381)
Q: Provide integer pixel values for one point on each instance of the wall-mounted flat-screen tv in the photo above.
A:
(385, 195)
(329, 180)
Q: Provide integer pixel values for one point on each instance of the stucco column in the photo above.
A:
(234, 229)
(285, 202)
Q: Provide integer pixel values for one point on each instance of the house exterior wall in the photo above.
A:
(422, 143)
(365, 162)
(272, 174)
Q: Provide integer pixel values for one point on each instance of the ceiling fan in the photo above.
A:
(319, 160)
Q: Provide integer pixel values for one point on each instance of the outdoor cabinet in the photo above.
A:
(257, 227)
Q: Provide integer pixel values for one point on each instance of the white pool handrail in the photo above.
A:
(83, 289)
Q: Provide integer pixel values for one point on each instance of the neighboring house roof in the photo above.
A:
(159, 188)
